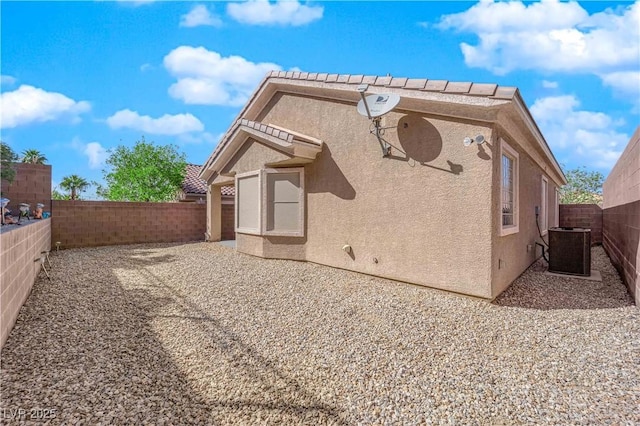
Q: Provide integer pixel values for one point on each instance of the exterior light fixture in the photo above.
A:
(479, 140)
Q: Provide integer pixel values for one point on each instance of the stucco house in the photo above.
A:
(430, 208)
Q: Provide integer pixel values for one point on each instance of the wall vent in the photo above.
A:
(570, 251)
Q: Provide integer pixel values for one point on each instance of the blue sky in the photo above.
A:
(79, 78)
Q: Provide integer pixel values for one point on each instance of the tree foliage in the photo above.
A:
(57, 195)
(33, 156)
(584, 187)
(146, 172)
(75, 185)
(7, 156)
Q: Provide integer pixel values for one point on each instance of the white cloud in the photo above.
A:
(29, 104)
(586, 137)
(282, 12)
(207, 78)
(549, 84)
(165, 125)
(200, 15)
(7, 80)
(146, 67)
(624, 83)
(549, 36)
(97, 154)
(94, 151)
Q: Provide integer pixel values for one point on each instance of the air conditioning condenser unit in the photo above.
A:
(570, 251)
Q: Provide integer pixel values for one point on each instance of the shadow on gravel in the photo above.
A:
(535, 290)
(85, 345)
(275, 396)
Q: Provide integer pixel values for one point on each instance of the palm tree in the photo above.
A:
(33, 156)
(74, 184)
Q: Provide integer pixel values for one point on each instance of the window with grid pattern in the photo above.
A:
(508, 189)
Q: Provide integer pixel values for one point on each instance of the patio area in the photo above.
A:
(199, 334)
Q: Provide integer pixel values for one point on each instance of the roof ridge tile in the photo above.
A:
(491, 90)
(332, 78)
(398, 82)
(383, 81)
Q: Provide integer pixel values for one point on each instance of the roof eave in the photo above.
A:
(275, 138)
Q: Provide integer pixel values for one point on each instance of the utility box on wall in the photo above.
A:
(570, 251)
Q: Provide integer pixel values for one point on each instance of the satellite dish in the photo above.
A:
(479, 139)
(378, 105)
(467, 141)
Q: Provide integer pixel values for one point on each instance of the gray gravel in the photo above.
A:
(197, 333)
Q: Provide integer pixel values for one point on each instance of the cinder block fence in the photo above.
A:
(621, 193)
(583, 216)
(20, 249)
(101, 223)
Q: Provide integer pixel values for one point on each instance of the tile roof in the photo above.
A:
(192, 184)
(423, 84)
(228, 190)
(284, 135)
(264, 128)
(446, 87)
(415, 87)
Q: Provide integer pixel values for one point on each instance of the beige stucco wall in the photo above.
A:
(292, 248)
(19, 248)
(425, 218)
(214, 213)
(251, 156)
(511, 253)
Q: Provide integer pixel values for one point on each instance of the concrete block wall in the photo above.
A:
(228, 222)
(31, 185)
(621, 217)
(583, 216)
(19, 247)
(101, 223)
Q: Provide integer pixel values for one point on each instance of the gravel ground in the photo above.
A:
(197, 333)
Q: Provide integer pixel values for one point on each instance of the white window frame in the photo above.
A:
(507, 150)
(544, 205)
(253, 231)
(556, 222)
(265, 210)
(262, 203)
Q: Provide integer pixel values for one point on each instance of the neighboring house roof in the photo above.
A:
(228, 190)
(192, 183)
(478, 101)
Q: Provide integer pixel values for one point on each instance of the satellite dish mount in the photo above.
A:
(374, 107)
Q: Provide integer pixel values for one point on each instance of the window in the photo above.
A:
(284, 214)
(508, 189)
(248, 203)
(271, 202)
(544, 210)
